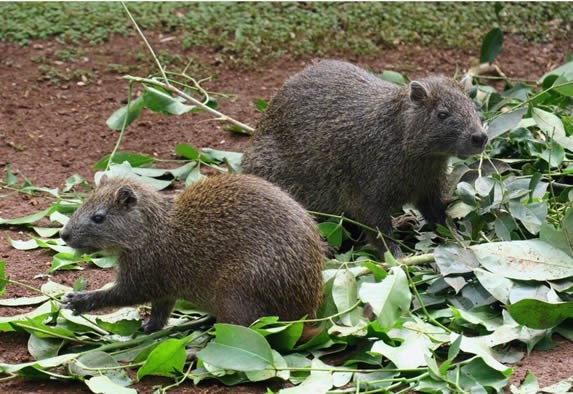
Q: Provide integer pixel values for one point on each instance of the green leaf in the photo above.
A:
(105, 261)
(134, 159)
(563, 386)
(418, 339)
(504, 122)
(497, 285)
(10, 178)
(34, 217)
(167, 359)
(484, 185)
(393, 76)
(332, 232)
(23, 245)
(22, 301)
(482, 346)
(232, 159)
(40, 312)
(564, 84)
(55, 289)
(429, 384)
(125, 170)
(104, 385)
(118, 118)
(345, 295)
(476, 374)
(180, 172)
(96, 363)
(285, 336)
(466, 192)
(44, 331)
(491, 45)
(529, 384)
(540, 315)
(452, 259)
(261, 105)
(75, 180)
(532, 216)
(553, 127)
(125, 321)
(376, 270)
(278, 362)
(41, 348)
(194, 176)
(454, 349)
(233, 128)
(564, 69)
(560, 238)
(46, 232)
(553, 155)
(318, 382)
(483, 316)
(237, 348)
(187, 151)
(388, 298)
(524, 260)
(57, 245)
(40, 364)
(66, 261)
(159, 101)
(504, 225)
(78, 323)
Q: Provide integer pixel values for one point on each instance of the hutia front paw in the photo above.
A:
(78, 302)
(151, 326)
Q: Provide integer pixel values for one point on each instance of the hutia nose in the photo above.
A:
(65, 234)
(478, 139)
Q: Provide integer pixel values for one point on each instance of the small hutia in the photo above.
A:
(343, 141)
(233, 245)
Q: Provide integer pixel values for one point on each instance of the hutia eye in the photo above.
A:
(443, 115)
(98, 218)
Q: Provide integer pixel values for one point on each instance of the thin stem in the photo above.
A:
(177, 383)
(51, 333)
(419, 298)
(206, 108)
(56, 300)
(337, 369)
(35, 289)
(123, 126)
(327, 318)
(10, 377)
(153, 336)
(532, 98)
(364, 226)
(146, 43)
(418, 260)
(114, 367)
(504, 78)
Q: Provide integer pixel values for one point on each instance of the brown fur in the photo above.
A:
(343, 141)
(234, 245)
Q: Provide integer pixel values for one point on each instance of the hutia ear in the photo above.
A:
(418, 92)
(126, 197)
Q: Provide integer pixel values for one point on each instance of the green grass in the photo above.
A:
(249, 31)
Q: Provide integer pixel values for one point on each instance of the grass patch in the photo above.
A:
(249, 31)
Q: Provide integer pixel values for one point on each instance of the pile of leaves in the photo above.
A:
(471, 297)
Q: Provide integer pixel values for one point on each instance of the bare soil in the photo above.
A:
(51, 128)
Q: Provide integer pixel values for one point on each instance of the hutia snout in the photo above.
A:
(65, 234)
(478, 139)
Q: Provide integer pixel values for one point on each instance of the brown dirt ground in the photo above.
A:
(52, 129)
